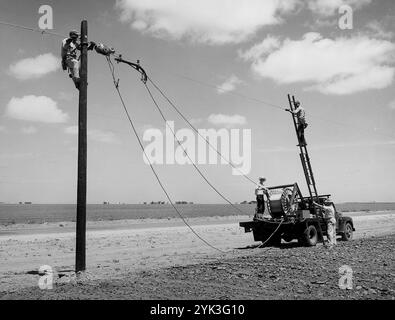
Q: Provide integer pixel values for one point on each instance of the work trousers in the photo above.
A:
(260, 203)
(74, 67)
(331, 231)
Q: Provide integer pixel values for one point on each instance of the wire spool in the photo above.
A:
(280, 203)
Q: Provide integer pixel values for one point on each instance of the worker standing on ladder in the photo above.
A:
(260, 191)
(70, 61)
(302, 124)
(329, 215)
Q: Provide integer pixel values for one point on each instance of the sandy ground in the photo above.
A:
(119, 249)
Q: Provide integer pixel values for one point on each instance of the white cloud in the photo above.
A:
(331, 66)
(29, 130)
(331, 7)
(96, 135)
(35, 108)
(204, 21)
(391, 105)
(263, 48)
(227, 120)
(229, 84)
(377, 30)
(33, 68)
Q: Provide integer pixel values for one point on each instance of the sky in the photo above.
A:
(227, 64)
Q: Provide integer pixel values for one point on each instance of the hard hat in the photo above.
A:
(262, 178)
(73, 33)
(297, 103)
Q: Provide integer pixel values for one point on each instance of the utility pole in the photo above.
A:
(80, 264)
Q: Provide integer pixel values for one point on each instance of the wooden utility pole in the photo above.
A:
(80, 263)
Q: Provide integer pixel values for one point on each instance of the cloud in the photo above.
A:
(203, 21)
(96, 135)
(33, 68)
(330, 7)
(3, 129)
(227, 120)
(331, 66)
(263, 48)
(377, 30)
(229, 84)
(391, 105)
(29, 130)
(35, 108)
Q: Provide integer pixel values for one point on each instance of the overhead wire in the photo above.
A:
(269, 104)
(116, 85)
(42, 31)
(197, 131)
(185, 152)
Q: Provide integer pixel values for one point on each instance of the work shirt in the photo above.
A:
(301, 114)
(69, 49)
(260, 189)
(329, 213)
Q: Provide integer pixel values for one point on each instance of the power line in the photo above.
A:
(37, 30)
(269, 104)
(185, 152)
(116, 85)
(234, 93)
(197, 131)
(32, 29)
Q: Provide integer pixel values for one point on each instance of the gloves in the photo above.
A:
(91, 45)
(64, 65)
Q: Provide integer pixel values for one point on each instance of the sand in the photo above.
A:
(116, 249)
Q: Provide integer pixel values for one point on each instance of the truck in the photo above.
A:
(293, 216)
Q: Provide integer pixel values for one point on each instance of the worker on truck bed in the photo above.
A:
(260, 190)
(70, 61)
(329, 215)
(301, 123)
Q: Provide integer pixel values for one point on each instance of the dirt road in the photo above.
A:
(135, 250)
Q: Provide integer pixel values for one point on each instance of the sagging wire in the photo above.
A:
(185, 152)
(278, 227)
(32, 29)
(116, 85)
(197, 131)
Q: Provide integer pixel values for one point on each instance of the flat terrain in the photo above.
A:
(134, 259)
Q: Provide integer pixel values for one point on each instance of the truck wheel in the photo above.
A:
(347, 235)
(310, 236)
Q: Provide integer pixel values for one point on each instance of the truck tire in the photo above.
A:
(347, 234)
(309, 238)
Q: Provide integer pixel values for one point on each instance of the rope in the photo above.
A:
(197, 131)
(263, 243)
(185, 152)
(116, 84)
